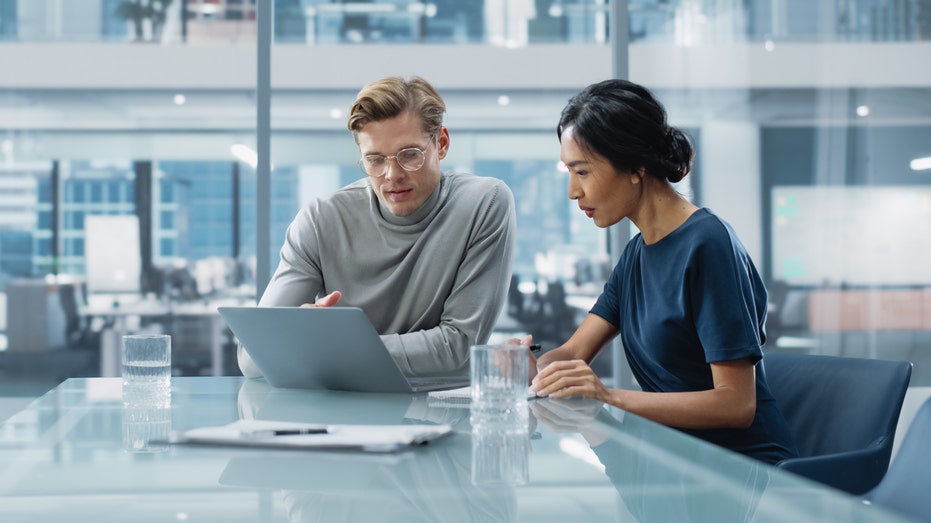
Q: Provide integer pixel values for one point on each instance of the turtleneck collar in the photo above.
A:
(417, 216)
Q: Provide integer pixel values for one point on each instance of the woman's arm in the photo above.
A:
(564, 372)
(584, 344)
(731, 403)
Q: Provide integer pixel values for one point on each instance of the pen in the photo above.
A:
(284, 432)
(536, 348)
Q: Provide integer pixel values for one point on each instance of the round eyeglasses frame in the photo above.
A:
(408, 165)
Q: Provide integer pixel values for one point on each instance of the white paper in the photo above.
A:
(463, 393)
(369, 438)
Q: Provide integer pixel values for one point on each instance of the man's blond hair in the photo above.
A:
(391, 96)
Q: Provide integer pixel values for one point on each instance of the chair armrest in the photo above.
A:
(855, 472)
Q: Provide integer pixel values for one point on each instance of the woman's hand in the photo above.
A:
(566, 378)
(532, 365)
(571, 416)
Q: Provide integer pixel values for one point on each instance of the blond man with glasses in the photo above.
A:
(426, 254)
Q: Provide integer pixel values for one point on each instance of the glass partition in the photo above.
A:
(508, 23)
(811, 120)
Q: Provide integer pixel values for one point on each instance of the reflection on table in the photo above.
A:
(66, 458)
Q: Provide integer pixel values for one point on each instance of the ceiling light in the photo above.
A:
(920, 164)
(179, 99)
(504, 100)
(769, 45)
(336, 113)
(863, 110)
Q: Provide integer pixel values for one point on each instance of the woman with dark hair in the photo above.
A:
(685, 296)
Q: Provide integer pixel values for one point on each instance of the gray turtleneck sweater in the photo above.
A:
(432, 283)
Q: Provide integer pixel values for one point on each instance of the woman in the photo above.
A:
(685, 296)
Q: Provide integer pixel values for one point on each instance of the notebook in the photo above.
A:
(333, 348)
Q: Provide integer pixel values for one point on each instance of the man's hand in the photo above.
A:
(327, 301)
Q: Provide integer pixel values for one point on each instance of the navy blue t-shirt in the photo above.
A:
(691, 299)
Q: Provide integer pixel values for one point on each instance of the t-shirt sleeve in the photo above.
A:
(608, 302)
(724, 291)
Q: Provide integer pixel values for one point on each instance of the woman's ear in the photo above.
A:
(636, 176)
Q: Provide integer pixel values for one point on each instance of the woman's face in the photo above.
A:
(604, 194)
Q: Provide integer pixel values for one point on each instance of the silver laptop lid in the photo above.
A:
(334, 348)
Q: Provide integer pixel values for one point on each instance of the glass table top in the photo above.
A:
(78, 454)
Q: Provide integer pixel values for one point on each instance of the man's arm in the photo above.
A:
(475, 301)
(296, 281)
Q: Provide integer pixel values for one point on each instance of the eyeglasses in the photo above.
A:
(376, 165)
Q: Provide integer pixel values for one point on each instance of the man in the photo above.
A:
(427, 255)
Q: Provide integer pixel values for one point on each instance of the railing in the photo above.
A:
(497, 22)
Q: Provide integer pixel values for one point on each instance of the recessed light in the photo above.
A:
(920, 164)
(180, 99)
(863, 110)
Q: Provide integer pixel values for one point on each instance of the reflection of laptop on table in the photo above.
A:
(334, 348)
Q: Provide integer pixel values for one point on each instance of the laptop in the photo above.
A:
(332, 348)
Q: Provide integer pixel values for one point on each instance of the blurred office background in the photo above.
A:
(130, 193)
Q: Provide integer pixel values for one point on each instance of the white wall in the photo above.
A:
(738, 65)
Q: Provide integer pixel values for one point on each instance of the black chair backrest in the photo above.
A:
(69, 304)
(906, 488)
(837, 404)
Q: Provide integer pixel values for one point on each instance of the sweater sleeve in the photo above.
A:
(476, 298)
(297, 280)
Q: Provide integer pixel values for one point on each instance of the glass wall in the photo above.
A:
(806, 116)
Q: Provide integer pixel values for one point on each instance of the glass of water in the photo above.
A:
(500, 383)
(147, 370)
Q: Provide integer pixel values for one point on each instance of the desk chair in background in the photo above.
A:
(545, 314)
(907, 484)
(778, 291)
(79, 333)
(842, 412)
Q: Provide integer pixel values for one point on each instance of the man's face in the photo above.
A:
(401, 191)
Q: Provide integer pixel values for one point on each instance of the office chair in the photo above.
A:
(515, 299)
(907, 483)
(842, 412)
(78, 333)
(778, 291)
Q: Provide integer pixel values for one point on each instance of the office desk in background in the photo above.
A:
(63, 459)
(117, 316)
